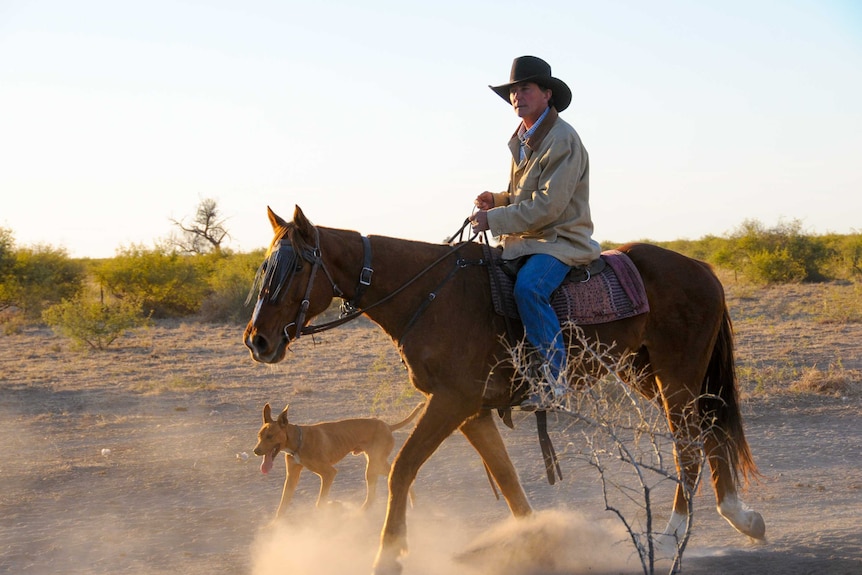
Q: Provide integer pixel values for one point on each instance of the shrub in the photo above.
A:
(229, 282)
(35, 277)
(775, 267)
(93, 323)
(7, 251)
(702, 249)
(775, 255)
(847, 261)
(165, 283)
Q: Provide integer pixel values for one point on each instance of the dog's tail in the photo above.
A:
(408, 419)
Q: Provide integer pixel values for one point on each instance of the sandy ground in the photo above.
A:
(131, 461)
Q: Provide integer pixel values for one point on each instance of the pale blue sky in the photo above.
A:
(375, 115)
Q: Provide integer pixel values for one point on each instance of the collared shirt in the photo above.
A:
(524, 134)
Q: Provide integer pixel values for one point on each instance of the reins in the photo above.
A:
(352, 314)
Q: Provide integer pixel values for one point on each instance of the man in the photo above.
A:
(543, 218)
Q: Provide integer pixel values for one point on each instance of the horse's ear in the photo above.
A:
(303, 226)
(277, 222)
(267, 414)
(282, 417)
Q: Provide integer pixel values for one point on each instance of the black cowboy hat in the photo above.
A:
(532, 69)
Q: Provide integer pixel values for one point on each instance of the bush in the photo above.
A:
(702, 249)
(7, 251)
(93, 323)
(36, 277)
(229, 284)
(775, 267)
(165, 283)
(847, 263)
(776, 255)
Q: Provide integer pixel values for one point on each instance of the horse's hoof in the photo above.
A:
(666, 546)
(750, 523)
(387, 562)
(757, 527)
(393, 568)
(746, 521)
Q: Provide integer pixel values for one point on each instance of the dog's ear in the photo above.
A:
(267, 414)
(282, 417)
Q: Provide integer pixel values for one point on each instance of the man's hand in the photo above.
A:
(479, 221)
(484, 201)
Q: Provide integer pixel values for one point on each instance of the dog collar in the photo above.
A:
(295, 452)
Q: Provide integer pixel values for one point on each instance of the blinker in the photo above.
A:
(275, 274)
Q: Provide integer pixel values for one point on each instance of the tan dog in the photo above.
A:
(321, 445)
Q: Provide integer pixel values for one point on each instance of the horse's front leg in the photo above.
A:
(483, 435)
(443, 415)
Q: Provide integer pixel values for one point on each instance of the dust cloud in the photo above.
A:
(337, 541)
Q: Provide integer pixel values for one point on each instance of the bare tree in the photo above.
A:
(205, 233)
(625, 438)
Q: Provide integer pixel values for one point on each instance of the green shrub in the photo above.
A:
(89, 322)
(229, 282)
(847, 262)
(7, 251)
(775, 267)
(35, 277)
(775, 255)
(165, 283)
(701, 249)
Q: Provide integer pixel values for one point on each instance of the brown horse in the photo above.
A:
(438, 310)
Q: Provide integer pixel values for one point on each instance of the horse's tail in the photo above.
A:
(408, 419)
(719, 405)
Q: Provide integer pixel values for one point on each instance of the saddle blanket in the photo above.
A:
(617, 292)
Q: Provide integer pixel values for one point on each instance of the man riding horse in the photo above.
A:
(543, 218)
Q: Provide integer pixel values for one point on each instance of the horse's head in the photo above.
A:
(290, 292)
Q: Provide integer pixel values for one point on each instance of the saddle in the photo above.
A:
(608, 289)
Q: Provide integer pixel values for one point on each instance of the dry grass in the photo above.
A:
(834, 381)
(797, 338)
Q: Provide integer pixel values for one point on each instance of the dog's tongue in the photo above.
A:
(267, 463)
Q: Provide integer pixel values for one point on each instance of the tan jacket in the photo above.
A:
(546, 208)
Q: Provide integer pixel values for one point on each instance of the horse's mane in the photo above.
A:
(279, 265)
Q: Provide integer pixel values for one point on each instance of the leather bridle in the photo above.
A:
(274, 281)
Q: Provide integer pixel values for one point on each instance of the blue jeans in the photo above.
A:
(536, 281)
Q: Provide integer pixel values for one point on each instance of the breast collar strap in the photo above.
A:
(365, 274)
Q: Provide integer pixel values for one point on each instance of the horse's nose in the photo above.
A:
(257, 343)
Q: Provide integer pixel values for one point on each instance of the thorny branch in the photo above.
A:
(618, 424)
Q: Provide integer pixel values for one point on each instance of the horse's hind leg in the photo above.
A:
(686, 426)
(484, 436)
(729, 505)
